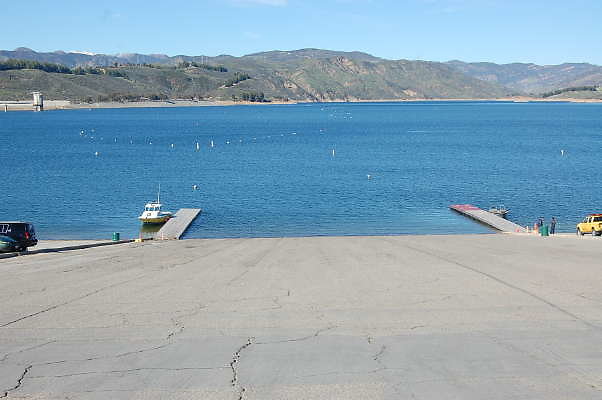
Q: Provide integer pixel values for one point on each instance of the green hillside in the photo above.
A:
(582, 93)
(305, 75)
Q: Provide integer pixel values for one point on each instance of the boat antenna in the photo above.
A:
(159, 194)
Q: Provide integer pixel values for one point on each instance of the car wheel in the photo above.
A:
(579, 233)
(595, 233)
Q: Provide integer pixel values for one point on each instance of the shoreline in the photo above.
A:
(52, 243)
(51, 105)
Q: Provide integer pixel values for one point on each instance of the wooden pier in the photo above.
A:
(177, 225)
(487, 218)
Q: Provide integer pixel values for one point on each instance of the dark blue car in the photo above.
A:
(16, 236)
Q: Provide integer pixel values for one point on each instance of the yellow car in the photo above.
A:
(590, 224)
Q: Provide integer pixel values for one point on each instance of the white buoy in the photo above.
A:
(172, 145)
(212, 143)
(227, 142)
(96, 153)
(333, 153)
(197, 146)
(562, 152)
(194, 187)
(369, 176)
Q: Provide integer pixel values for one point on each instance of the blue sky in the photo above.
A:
(502, 31)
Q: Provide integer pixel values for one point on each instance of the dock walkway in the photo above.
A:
(177, 225)
(487, 218)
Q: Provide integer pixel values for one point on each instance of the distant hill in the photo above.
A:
(307, 74)
(82, 59)
(532, 78)
(300, 75)
(288, 56)
(86, 59)
(326, 75)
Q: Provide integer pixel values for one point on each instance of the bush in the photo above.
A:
(30, 64)
(238, 77)
(14, 64)
(254, 97)
(570, 89)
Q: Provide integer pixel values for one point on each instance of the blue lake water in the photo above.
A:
(272, 172)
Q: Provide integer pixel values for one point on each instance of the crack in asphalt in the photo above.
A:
(256, 261)
(179, 329)
(237, 277)
(53, 307)
(19, 382)
(500, 281)
(300, 339)
(119, 371)
(235, 359)
(5, 357)
(377, 356)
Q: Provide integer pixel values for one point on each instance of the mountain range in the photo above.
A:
(532, 78)
(299, 75)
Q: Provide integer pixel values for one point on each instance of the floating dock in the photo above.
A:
(177, 225)
(487, 218)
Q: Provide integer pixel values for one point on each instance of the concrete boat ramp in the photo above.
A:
(442, 317)
(177, 225)
(487, 218)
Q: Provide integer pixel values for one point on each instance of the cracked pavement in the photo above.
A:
(420, 317)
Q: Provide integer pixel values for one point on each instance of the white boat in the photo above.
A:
(500, 210)
(152, 213)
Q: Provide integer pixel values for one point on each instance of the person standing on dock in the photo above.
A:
(553, 226)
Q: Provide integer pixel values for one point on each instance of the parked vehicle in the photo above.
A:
(590, 224)
(16, 236)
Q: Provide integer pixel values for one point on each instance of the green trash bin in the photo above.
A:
(545, 230)
(115, 236)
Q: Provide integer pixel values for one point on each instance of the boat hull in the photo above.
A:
(157, 220)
